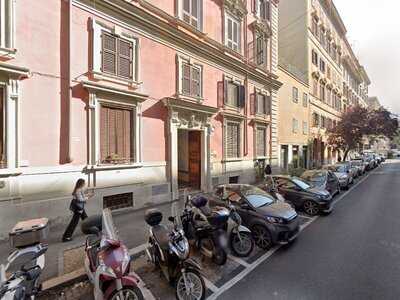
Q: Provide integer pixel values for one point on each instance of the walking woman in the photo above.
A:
(77, 207)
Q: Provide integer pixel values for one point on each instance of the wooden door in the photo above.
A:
(195, 159)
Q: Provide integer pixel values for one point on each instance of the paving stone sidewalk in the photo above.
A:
(62, 258)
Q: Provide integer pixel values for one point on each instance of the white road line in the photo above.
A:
(211, 286)
(260, 260)
(238, 260)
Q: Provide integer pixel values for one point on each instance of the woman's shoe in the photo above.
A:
(66, 239)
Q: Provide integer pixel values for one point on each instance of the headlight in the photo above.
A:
(275, 220)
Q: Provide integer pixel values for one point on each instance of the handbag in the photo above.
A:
(76, 206)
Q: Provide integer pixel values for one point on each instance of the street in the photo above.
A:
(351, 254)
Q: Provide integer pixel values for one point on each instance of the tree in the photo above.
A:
(357, 123)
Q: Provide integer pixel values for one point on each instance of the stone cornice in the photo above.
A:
(261, 28)
(165, 30)
(14, 71)
(190, 106)
(102, 88)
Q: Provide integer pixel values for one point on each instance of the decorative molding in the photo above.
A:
(236, 7)
(261, 28)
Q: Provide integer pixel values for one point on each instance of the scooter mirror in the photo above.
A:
(171, 219)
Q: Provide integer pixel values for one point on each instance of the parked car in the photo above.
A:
(325, 179)
(346, 169)
(340, 172)
(303, 196)
(370, 161)
(359, 165)
(270, 221)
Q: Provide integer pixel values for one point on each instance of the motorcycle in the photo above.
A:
(206, 227)
(169, 251)
(240, 237)
(107, 261)
(23, 283)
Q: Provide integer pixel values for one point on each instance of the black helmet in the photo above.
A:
(199, 201)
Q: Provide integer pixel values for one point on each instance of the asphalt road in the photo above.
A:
(354, 253)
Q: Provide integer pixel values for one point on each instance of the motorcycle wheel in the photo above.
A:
(127, 293)
(219, 256)
(197, 287)
(243, 246)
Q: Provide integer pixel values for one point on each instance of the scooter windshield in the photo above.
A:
(109, 230)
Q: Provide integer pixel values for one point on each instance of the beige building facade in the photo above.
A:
(293, 120)
(312, 41)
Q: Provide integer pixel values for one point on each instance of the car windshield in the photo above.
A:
(338, 168)
(301, 183)
(257, 197)
(316, 177)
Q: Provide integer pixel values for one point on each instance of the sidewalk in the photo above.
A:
(62, 258)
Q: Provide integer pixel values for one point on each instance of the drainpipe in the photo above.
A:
(246, 84)
(69, 156)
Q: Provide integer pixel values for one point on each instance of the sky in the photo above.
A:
(373, 29)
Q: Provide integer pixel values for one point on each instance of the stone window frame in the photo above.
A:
(257, 10)
(295, 94)
(8, 28)
(239, 121)
(305, 99)
(180, 60)
(266, 94)
(96, 62)
(234, 17)
(305, 128)
(295, 126)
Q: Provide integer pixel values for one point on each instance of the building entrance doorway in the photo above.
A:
(189, 159)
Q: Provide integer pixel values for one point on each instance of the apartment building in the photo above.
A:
(293, 118)
(140, 98)
(312, 40)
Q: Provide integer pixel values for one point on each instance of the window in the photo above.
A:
(261, 141)
(7, 26)
(322, 65)
(232, 33)
(315, 28)
(305, 100)
(261, 104)
(329, 96)
(314, 56)
(232, 93)
(192, 12)
(260, 50)
(263, 9)
(315, 87)
(323, 122)
(232, 140)
(116, 132)
(323, 39)
(322, 92)
(305, 128)
(295, 94)
(315, 120)
(295, 125)
(116, 56)
(328, 48)
(328, 72)
(191, 80)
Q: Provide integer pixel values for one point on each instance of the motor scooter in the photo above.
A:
(24, 282)
(169, 250)
(107, 261)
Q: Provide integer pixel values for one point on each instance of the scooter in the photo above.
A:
(240, 238)
(23, 283)
(107, 261)
(169, 251)
(206, 228)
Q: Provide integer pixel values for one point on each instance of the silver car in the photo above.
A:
(345, 179)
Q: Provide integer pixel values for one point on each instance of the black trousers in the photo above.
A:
(73, 223)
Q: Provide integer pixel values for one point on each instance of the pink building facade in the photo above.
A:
(140, 98)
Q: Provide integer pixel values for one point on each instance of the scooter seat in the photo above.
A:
(161, 234)
(206, 210)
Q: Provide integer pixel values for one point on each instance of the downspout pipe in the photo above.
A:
(69, 156)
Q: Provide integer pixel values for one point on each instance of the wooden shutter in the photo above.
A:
(241, 96)
(267, 10)
(225, 91)
(3, 162)
(260, 141)
(253, 104)
(195, 82)
(232, 140)
(109, 53)
(268, 105)
(104, 134)
(185, 78)
(124, 58)
(116, 127)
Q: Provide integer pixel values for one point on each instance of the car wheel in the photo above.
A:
(262, 237)
(310, 207)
